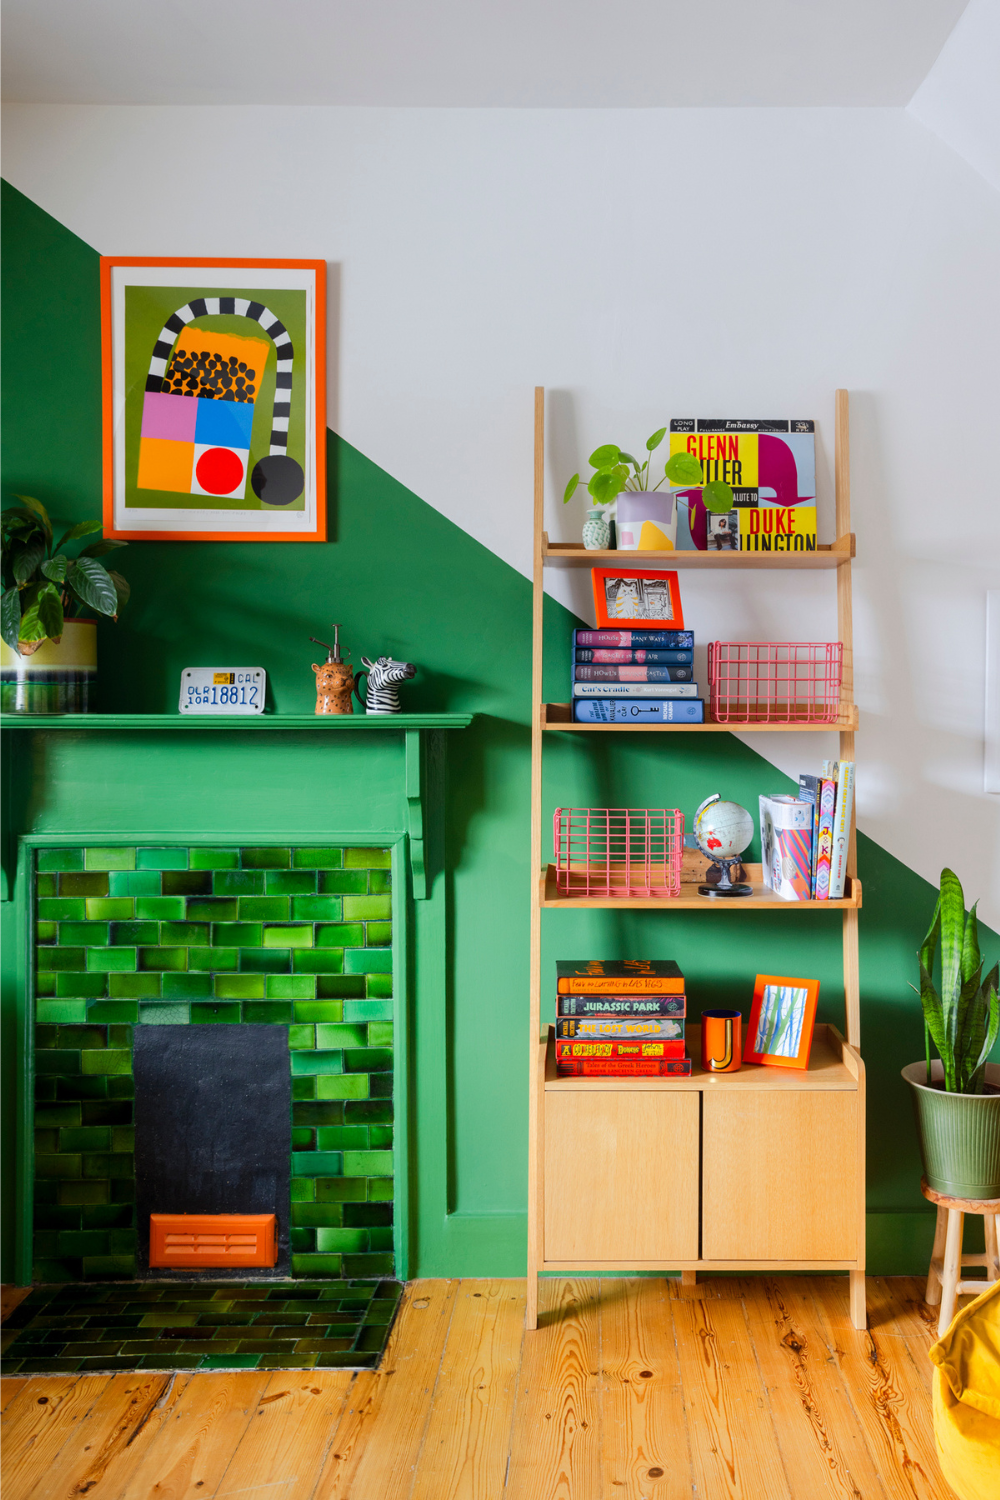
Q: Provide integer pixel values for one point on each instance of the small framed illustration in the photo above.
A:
(637, 594)
(214, 385)
(782, 1018)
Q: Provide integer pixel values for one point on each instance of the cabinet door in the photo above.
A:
(780, 1175)
(621, 1176)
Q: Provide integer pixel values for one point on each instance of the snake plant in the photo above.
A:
(964, 1019)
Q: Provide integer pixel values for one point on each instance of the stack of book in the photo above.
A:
(804, 839)
(635, 677)
(621, 1018)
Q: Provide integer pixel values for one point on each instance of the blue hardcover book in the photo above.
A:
(639, 710)
(629, 658)
(629, 639)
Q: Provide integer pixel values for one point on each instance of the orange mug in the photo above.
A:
(721, 1041)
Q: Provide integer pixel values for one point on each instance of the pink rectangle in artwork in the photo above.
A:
(169, 417)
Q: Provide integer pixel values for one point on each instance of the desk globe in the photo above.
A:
(723, 831)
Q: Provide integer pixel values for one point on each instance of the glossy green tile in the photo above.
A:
(301, 1036)
(239, 986)
(313, 1164)
(343, 883)
(317, 908)
(207, 1015)
(265, 961)
(318, 1010)
(108, 1267)
(288, 937)
(133, 934)
(161, 859)
(60, 859)
(62, 909)
(368, 961)
(164, 1015)
(263, 908)
(340, 1036)
(238, 883)
(379, 881)
(61, 1010)
(57, 1061)
(378, 934)
(134, 986)
(318, 859)
(317, 961)
(342, 1240)
(380, 1033)
(187, 986)
(316, 1265)
(303, 1189)
(58, 1114)
(134, 883)
(370, 1215)
(106, 1216)
(108, 1165)
(84, 1194)
(368, 1060)
(214, 859)
(106, 1060)
(116, 857)
(346, 1086)
(186, 883)
(367, 1163)
(367, 859)
(303, 1088)
(45, 984)
(290, 986)
(380, 1189)
(58, 1164)
(83, 885)
(334, 1190)
(290, 882)
(303, 1139)
(210, 959)
(342, 1138)
(317, 1062)
(364, 1266)
(380, 1085)
(230, 1361)
(46, 885)
(267, 1012)
(48, 1141)
(160, 908)
(46, 932)
(238, 934)
(184, 934)
(381, 1137)
(56, 959)
(366, 908)
(317, 1114)
(367, 1010)
(267, 857)
(162, 958)
(341, 935)
(85, 1138)
(111, 960)
(212, 909)
(379, 986)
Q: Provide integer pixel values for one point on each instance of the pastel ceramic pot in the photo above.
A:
(55, 679)
(959, 1133)
(647, 521)
(597, 532)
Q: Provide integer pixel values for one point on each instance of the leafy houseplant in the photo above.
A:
(615, 471)
(43, 585)
(957, 1097)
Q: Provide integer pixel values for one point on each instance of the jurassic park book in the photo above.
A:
(621, 1005)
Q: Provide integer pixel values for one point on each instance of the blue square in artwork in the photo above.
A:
(224, 424)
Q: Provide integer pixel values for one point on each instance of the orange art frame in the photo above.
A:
(164, 523)
(799, 1015)
(601, 577)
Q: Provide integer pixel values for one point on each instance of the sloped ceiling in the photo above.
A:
(960, 97)
(473, 53)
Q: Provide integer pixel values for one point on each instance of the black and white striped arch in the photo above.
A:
(203, 307)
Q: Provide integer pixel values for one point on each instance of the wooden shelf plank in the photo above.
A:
(327, 723)
(690, 899)
(826, 1071)
(572, 555)
(559, 716)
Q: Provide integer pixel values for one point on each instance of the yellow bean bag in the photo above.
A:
(967, 1399)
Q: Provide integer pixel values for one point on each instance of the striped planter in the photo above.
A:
(959, 1133)
(55, 679)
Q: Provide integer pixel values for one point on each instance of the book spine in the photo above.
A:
(824, 854)
(637, 658)
(628, 1029)
(676, 640)
(633, 689)
(604, 1007)
(579, 985)
(626, 1067)
(631, 672)
(841, 828)
(809, 791)
(635, 709)
(641, 1049)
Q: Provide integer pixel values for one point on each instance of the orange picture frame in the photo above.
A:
(289, 445)
(644, 590)
(782, 1019)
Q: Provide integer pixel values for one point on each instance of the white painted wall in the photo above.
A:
(641, 265)
(960, 97)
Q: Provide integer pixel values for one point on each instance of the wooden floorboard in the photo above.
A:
(631, 1389)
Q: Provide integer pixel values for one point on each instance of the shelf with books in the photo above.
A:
(689, 899)
(560, 716)
(572, 555)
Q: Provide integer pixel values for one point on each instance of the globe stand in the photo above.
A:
(725, 887)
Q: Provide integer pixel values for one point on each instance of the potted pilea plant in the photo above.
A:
(48, 658)
(957, 1095)
(645, 520)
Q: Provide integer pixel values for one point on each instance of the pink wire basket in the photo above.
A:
(775, 682)
(618, 851)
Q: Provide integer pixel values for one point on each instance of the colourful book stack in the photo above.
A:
(620, 676)
(620, 1018)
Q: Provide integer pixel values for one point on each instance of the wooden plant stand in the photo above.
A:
(670, 1183)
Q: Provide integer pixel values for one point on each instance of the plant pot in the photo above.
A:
(959, 1133)
(54, 679)
(647, 521)
(597, 532)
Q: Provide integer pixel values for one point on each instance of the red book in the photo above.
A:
(639, 1050)
(621, 1067)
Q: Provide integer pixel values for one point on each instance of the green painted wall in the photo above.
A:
(405, 580)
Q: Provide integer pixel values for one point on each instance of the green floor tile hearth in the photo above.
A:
(303, 1325)
(131, 936)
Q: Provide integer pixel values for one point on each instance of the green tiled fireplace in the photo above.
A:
(133, 935)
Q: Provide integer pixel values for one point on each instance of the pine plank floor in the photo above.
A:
(735, 1389)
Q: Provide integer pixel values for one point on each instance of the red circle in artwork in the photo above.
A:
(219, 470)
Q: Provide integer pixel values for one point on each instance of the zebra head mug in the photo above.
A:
(381, 678)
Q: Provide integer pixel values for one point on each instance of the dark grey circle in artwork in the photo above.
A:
(277, 479)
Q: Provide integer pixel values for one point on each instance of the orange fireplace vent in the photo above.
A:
(206, 1240)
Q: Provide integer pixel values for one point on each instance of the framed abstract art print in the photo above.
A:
(214, 385)
(782, 1018)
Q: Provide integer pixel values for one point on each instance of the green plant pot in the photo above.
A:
(55, 679)
(959, 1133)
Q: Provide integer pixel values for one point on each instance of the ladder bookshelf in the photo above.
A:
(669, 1190)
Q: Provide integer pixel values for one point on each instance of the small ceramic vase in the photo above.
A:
(597, 532)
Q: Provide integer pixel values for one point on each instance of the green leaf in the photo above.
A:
(83, 528)
(603, 458)
(655, 440)
(98, 549)
(50, 611)
(683, 468)
(718, 496)
(39, 510)
(27, 560)
(570, 489)
(122, 588)
(627, 458)
(90, 583)
(605, 485)
(10, 617)
(56, 567)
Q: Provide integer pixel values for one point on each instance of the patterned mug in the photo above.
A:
(721, 1041)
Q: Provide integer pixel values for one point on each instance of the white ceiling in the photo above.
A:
(515, 53)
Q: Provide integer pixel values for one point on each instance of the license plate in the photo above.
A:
(222, 690)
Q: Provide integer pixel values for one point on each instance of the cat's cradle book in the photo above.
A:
(650, 690)
(682, 640)
(610, 1006)
(619, 977)
(625, 1067)
(620, 1028)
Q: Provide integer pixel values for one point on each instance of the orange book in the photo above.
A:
(620, 976)
(660, 1047)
